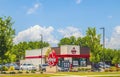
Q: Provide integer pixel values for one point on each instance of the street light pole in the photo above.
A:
(41, 47)
(103, 36)
(103, 43)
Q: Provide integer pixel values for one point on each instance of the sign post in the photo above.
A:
(52, 62)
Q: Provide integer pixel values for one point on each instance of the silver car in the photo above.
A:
(43, 67)
(13, 64)
(27, 66)
(60, 69)
(104, 65)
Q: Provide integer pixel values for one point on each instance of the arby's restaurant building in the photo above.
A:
(73, 54)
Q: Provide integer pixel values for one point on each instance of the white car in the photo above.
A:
(119, 65)
(27, 66)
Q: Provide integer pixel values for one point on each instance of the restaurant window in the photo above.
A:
(75, 62)
(60, 62)
(83, 62)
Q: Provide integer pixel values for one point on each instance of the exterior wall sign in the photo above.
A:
(70, 50)
(52, 58)
(73, 51)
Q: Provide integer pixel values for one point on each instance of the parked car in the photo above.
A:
(60, 69)
(103, 65)
(118, 65)
(0, 66)
(27, 66)
(43, 67)
(16, 67)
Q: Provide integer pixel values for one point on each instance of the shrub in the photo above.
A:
(88, 69)
(85, 69)
(118, 69)
(32, 71)
(82, 69)
(20, 72)
(4, 68)
(12, 72)
(11, 68)
(41, 72)
(3, 72)
(106, 70)
(27, 72)
(79, 69)
(113, 69)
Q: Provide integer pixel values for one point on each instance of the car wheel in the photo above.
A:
(21, 68)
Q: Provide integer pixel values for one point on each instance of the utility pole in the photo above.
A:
(103, 43)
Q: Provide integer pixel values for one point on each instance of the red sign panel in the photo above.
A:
(52, 58)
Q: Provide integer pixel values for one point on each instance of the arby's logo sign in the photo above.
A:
(73, 51)
(52, 58)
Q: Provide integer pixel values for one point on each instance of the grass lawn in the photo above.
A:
(93, 74)
(89, 73)
(27, 75)
(66, 74)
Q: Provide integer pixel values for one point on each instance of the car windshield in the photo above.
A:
(44, 65)
(24, 64)
(29, 64)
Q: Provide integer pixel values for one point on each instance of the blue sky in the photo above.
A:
(62, 18)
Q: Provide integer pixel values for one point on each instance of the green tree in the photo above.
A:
(72, 40)
(82, 41)
(47, 53)
(19, 49)
(65, 41)
(93, 41)
(6, 39)
(116, 58)
(108, 54)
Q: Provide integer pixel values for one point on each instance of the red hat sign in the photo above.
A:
(52, 58)
(73, 51)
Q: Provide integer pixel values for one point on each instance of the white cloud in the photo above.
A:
(110, 17)
(114, 41)
(78, 1)
(70, 31)
(34, 8)
(33, 34)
